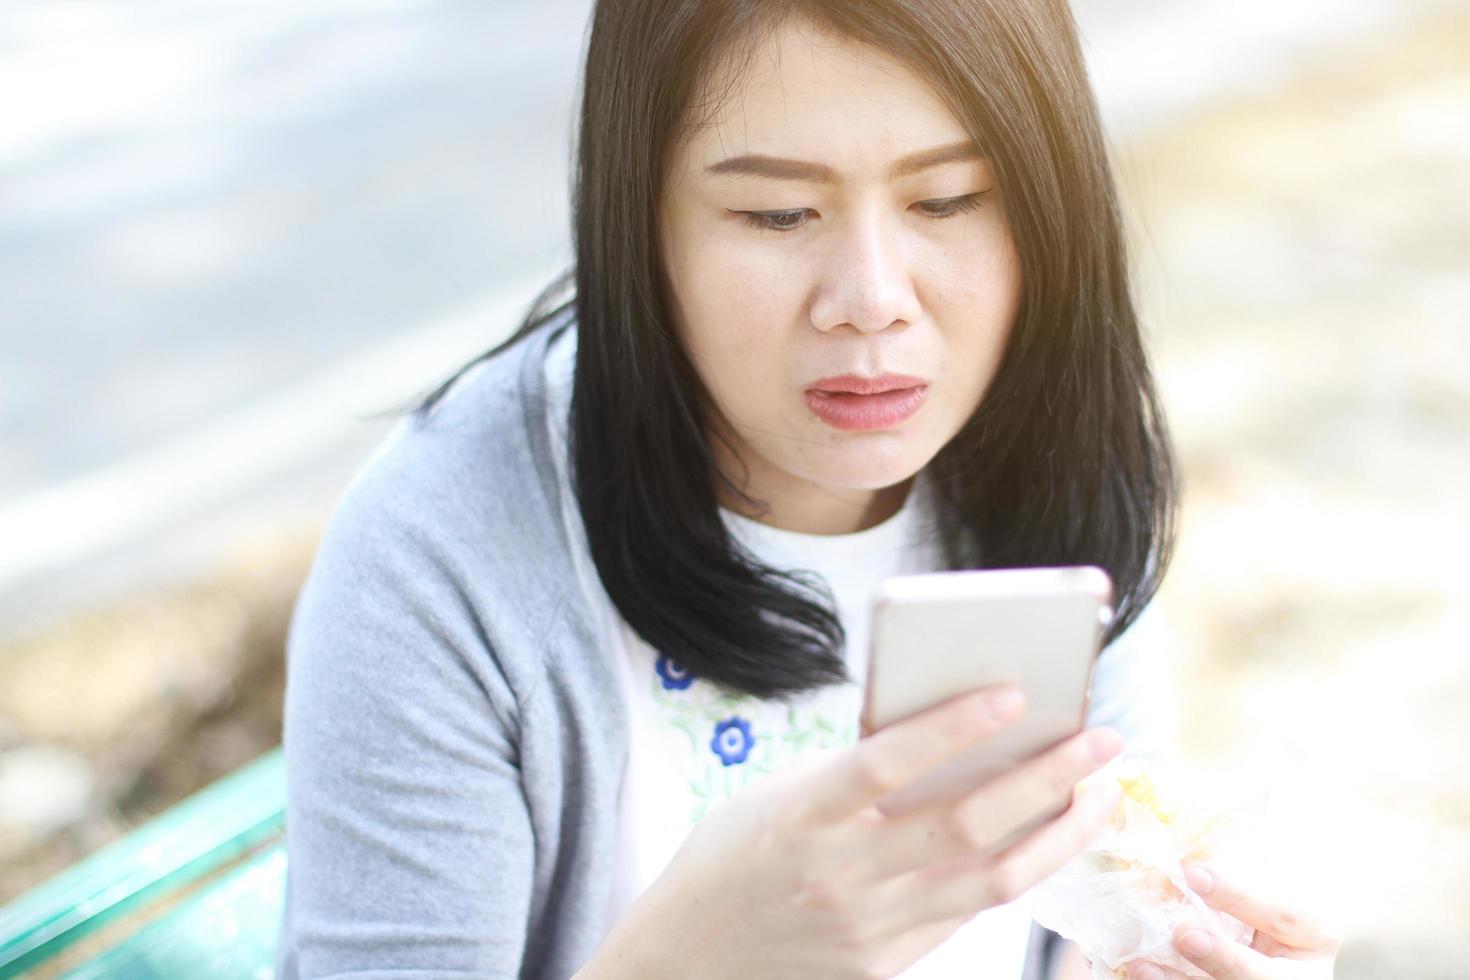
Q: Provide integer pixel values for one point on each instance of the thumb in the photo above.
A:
(1221, 957)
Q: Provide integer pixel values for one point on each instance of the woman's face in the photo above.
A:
(884, 251)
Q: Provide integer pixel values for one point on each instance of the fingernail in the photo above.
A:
(1147, 972)
(1196, 942)
(1199, 879)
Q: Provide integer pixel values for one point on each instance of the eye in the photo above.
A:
(774, 220)
(792, 220)
(951, 206)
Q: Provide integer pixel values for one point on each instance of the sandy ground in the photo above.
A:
(1301, 257)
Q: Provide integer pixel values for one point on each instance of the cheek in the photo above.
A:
(732, 305)
(990, 267)
(978, 310)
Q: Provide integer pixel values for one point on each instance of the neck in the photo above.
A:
(822, 510)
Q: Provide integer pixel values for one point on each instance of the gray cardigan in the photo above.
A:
(455, 736)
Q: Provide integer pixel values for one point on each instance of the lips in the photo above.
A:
(857, 385)
(853, 402)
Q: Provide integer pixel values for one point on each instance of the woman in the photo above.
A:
(570, 683)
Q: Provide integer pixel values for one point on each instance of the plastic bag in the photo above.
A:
(1122, 897)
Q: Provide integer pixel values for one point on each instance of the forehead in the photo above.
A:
(805, 92)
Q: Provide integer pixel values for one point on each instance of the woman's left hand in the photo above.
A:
(1288, 945)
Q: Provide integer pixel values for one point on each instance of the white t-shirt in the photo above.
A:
(693, 746)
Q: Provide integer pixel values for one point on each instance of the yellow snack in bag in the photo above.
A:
(1121, 897)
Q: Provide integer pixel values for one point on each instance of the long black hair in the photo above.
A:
(1066, 460)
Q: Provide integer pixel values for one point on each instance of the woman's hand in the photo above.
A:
(801, 875)
(1288, 945)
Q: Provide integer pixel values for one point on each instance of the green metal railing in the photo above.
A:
(227, 926)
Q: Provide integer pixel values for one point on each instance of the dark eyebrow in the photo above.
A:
(777, 168)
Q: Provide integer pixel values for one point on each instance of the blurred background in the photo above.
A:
(233, 234)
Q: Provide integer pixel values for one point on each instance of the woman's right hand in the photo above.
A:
(801, 875)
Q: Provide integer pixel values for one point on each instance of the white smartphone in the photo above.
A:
(938, 635)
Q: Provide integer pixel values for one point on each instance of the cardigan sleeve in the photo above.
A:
(408, 835)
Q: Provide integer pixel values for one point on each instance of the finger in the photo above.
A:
(970, 884)
(1220, 956)
(1292, 927)
(1148, 970)
(1266, 946)
(989, 818)
(891, 758)
(1034, 792)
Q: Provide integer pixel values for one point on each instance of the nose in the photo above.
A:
(866, 282)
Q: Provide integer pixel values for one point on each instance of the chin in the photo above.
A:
(864, 475)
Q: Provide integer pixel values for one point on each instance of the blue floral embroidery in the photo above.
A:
(732, 741)
(675, 677)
